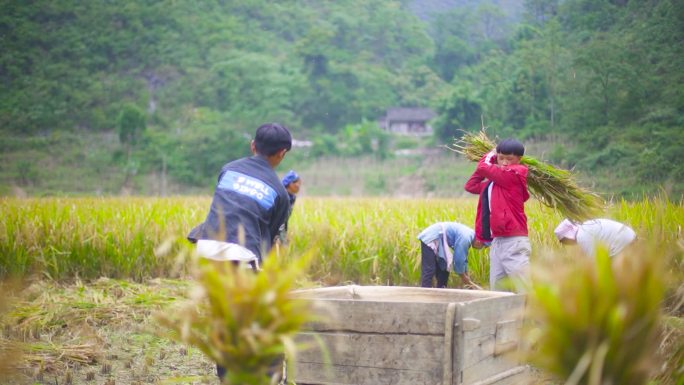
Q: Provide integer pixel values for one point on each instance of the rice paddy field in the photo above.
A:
(85, 276)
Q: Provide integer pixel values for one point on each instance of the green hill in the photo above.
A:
(600, 81)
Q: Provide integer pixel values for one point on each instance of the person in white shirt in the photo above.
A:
(613, 235)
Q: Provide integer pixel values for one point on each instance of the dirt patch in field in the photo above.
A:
(99, 333)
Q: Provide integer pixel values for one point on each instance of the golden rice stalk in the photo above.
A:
(597, 321)
(554, 187)
(52, 355)
(244, 321)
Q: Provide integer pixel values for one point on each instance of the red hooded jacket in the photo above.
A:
(507, 202)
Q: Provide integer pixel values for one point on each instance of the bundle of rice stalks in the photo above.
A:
(597, 321)
(243, 321)
(53, 356)
(556, 188)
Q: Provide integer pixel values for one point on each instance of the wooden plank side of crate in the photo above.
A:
(389, 351)
(491, 311)
(319, 374)
(518, 375)
(380, 317)
(332, 292)
(396, 294)
(490, 334)
(418, 294)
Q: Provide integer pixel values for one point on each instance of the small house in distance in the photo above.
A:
(407, 121)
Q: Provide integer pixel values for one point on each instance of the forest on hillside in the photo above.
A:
(176, 88)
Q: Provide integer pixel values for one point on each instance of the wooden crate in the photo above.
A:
(379, 335)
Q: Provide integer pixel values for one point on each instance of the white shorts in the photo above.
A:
(224, 251)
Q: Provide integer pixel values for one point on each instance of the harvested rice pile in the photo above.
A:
(554, 187)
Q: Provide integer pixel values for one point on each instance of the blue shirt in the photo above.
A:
(459, 238)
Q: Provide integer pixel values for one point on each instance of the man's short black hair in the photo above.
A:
(510, 147)
(271, 138)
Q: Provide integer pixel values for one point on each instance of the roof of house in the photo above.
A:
(410, 114)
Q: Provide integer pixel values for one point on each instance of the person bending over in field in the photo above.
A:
(613, 235)
(444, 247)
(501, 182)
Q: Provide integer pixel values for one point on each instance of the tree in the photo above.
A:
(455, 43)
(538, 12)
(130, 124)
(461, 110)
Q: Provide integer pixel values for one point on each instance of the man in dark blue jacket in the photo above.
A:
(249, 204)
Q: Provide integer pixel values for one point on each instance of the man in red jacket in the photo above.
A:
(501, 182)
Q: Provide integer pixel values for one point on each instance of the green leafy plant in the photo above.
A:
(244, 321)
(596, 322)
